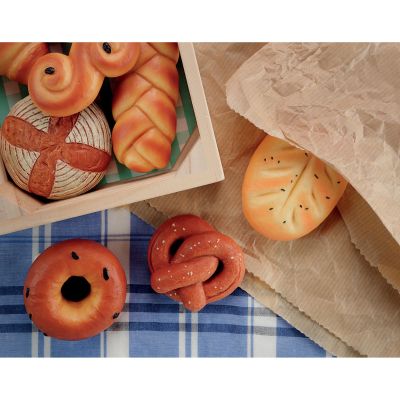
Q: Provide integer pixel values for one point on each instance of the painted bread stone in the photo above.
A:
(75, 289)
(55, 157)
(193, 263)
(287, 192)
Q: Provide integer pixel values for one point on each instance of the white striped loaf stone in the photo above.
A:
(54, 157)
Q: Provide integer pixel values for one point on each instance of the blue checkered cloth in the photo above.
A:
(151, 325)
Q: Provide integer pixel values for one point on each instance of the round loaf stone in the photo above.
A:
(54, 157)
(287, 192)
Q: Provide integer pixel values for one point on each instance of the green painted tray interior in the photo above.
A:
(12, 92)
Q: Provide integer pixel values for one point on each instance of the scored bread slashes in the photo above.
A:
(287, 192)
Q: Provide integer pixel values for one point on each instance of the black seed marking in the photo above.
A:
(74, 256)
(338, 182)
(265, 159)
(327, 197)
(284, 222)
(30, 316)
(271, 208)
(316, 176)
(291, 181)
(27, 292)
(306, 208)
(115, 315)
(45, 334)
(301, 206)
(272, 158)
(306, 154)
(49, 70)
(279, 161)
(105, 274)
(283, 190)
(107, 47)
(296, 176)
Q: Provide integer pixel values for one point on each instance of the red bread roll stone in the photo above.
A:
(75, 289)
(287, 192)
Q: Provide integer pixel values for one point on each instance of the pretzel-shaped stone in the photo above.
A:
(193, 263)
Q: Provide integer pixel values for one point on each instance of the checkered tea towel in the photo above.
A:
(151, 325)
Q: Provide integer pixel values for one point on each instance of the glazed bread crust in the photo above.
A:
(144, 102)
(62, 318)
(188, 273)
(17, 59)
(62, 85)
(287, 192)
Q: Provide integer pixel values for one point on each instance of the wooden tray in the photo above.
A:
(199, 164)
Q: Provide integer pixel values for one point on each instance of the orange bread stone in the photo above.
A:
(287, 192)
(144, 102)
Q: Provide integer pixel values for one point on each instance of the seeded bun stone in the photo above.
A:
(287, 192)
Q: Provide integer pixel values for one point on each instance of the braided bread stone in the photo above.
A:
(144, 102)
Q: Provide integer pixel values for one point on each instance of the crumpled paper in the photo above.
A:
(320, 283)
(339, 101)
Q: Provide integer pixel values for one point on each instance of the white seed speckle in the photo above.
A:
(189, 302)
(215, 246)
(169, 270)
(218, 240)
(157, 248)
(173, 225)
(170, 276)
(184, 229)
(232, 258)
(209, 241)
(198, 242)
(191, 248)
(215, 287)
(182, 255)
(163, 242)
(159, 279)
(174, 230)
(158, 287)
